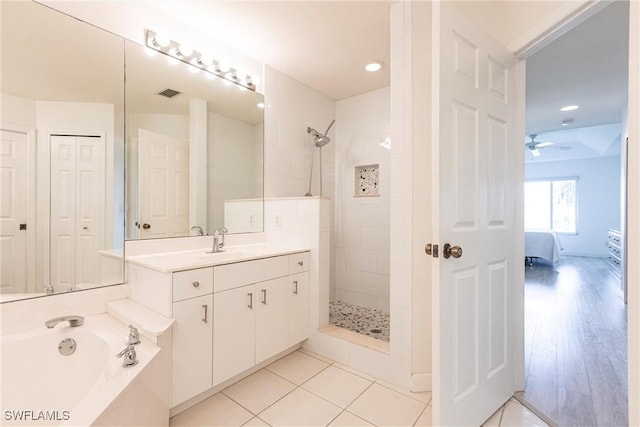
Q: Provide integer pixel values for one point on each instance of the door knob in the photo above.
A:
(146, 226)
(451, 251)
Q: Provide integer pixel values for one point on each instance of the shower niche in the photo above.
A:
(367, 181)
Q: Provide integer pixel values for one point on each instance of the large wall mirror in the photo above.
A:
(61, 153)
(194, 150)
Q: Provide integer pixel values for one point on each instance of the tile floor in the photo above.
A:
(304, 389)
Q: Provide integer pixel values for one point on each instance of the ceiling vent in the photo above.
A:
(169, 93)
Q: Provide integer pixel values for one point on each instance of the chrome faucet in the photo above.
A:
(48, 289)
(73, 321)
(218, 240)
(129, 356)
(198, 229)
(134, 335)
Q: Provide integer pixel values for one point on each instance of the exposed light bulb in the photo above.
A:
(162, 40)
(223, 66)
(205, 60)
(255, 79)
(185, 49)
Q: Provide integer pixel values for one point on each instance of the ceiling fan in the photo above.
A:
(535, 146)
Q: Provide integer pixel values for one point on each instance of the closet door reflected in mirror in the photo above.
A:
(194, 150)
(61, 153)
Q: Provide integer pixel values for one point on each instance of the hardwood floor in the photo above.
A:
(576, 342)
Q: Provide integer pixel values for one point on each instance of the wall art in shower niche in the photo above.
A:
(367, 184)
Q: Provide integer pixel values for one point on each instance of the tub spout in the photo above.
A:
(73, 321)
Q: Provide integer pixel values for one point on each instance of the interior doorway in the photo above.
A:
(575, 309)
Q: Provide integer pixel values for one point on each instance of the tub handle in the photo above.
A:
(206, 313)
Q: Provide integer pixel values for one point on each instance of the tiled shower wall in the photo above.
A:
(361, 224)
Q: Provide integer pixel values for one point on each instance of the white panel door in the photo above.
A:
(192, 346)
(163, 185)
(272, 317)
(77, 209)
(234, 332)
(475, 137)
(298, 307)
(13, 212)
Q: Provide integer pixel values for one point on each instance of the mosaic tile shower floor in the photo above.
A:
(363, 320)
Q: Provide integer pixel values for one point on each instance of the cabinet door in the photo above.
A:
(298, 307)
(192, 346)
(233, 332)
(272, 317)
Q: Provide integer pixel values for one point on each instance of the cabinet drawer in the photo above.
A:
(192, 283)
(231, 276)
(298, 262)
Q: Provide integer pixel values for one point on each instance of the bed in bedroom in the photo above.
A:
(542, 244)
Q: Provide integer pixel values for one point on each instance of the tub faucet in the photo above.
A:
(129, 356)
(218, 240)
(73, 321)
(198, 229)
(134, 335)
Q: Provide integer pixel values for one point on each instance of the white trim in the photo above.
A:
(567, 16)
(633, 213)
(420, 383)
(32, 227)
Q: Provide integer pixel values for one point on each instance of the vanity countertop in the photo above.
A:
(169, 262)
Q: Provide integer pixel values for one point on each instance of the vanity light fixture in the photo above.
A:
(374, 66)
(570, 108)
(196, 60)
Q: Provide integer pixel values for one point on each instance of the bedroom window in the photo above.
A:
(550, 205)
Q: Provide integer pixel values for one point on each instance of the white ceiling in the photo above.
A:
(586, 67)
(323, 44)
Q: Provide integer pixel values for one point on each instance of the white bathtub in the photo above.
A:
(41, 387)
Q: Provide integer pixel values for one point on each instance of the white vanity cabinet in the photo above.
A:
(192, 309)
(228, 317)
(255, 321)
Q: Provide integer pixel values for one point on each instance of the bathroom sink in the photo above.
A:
(219, 256)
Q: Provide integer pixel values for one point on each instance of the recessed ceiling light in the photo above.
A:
(374, 66)
(570, 108)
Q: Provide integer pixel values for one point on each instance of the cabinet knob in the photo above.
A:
(300, 263)
(196, 284)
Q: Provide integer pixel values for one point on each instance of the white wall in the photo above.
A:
(598, 199)
(291, 108)
(233, 148)
(17, 111)
(361, 228)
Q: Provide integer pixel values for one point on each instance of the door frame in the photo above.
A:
(31, 171)
(556, 26)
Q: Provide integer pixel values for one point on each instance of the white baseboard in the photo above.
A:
(420, 382)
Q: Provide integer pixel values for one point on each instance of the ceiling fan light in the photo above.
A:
(535, 152)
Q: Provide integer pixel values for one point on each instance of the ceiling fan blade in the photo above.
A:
(544, 144)
(559, 147)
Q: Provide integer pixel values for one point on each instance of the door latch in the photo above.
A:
(431, 249)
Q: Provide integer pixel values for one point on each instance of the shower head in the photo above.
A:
(320, 139)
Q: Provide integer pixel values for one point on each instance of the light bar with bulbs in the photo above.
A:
(185, 53)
